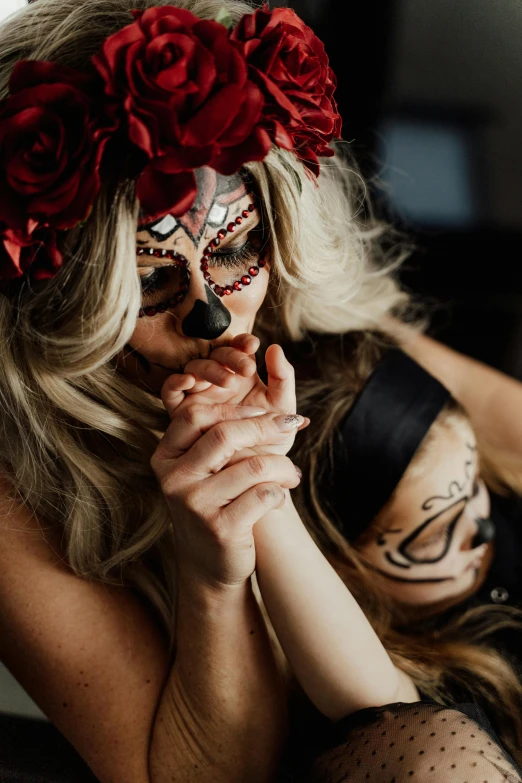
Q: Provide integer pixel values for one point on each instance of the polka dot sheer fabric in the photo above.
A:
(404, 743)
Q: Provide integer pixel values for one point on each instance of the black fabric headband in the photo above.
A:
(379, 437)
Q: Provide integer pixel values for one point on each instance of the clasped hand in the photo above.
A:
(221, 463)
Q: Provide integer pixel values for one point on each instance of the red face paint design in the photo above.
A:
(225, 272)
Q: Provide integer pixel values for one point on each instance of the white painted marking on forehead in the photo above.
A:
(217, 214)
(165, 225)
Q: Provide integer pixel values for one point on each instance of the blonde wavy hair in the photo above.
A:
(443, 659)
(76, 437)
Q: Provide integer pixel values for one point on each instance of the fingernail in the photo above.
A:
(298, 471)
(289, 421)
(248, 411)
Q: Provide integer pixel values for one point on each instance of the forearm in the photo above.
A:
(222, 716)
(492, 399)
(335, 654)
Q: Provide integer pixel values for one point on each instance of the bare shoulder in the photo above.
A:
(90, 655)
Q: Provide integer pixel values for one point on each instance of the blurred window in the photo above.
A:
(427, 167)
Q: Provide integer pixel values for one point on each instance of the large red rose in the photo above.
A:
(188, 102)
(290, 65)
(52, 138)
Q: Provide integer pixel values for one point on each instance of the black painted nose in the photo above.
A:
(485, 532)
(207, 320)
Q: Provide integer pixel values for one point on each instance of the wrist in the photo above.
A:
(204, 591)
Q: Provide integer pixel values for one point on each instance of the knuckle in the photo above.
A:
(260, 426)
(170, 486)
(257, 466)
(192, 501)
(193, 416)
(267, 493)
(221, 434)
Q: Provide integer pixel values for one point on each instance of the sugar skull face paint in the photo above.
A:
(204, 276)
(430, 541)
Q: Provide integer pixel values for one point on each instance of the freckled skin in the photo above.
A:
(160, 344)
(424, 542)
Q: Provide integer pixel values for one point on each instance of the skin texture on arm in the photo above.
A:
(334, 652)
(94, 659)
(492, 399)
(223, 714)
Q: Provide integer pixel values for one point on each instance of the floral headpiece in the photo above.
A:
(176, 92)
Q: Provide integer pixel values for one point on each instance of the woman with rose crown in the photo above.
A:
(169, 186)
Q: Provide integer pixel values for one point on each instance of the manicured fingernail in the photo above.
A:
(298, 471)
(248, 411)
(289, 421)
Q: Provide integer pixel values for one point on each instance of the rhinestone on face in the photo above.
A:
(181, 261)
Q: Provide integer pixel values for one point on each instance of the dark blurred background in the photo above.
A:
(430, 92)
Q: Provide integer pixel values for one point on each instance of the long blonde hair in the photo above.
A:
(442, 659)
(76, 437)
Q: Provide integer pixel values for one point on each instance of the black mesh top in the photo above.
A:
(404, 743)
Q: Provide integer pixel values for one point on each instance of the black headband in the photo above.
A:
(377, 440)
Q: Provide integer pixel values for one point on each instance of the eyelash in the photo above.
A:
(234, 258)
(442, 534)
(156, 280)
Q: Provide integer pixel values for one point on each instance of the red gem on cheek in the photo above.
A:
(245, 280)
(261, 263)
(245, 213)
(239, 220)
(253, 271)
(237, 285)
(222, 233)
(228, 290)
(231, 227)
